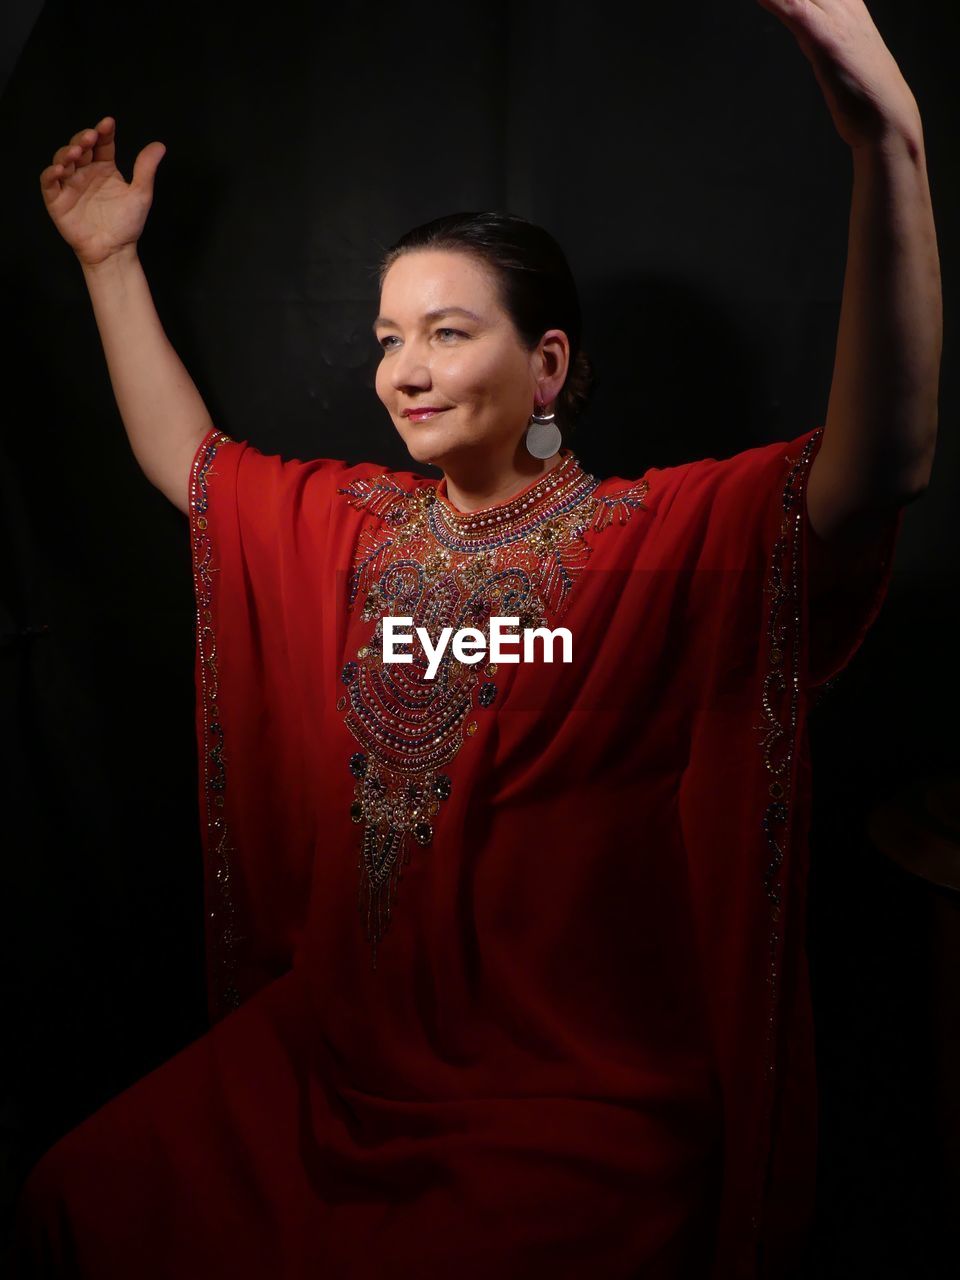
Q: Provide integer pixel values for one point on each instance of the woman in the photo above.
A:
(505, 962)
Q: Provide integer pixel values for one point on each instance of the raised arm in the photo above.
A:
(881, 423)
(101, 217)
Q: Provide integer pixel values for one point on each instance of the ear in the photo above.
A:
(551, 364)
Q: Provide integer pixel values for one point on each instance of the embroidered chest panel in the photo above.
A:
(425, 560)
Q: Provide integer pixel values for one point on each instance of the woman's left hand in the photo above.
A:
(867, 95)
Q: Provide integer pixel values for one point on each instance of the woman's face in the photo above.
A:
(448, 345)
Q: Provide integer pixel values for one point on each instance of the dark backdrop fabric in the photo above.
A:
(685, 159)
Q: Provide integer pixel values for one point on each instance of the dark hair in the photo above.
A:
(535, 283)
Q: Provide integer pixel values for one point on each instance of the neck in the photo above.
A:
(471, 488)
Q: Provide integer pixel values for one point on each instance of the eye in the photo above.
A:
(386, 341)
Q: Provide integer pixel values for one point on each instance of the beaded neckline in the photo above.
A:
(420, 556)
(555, 491)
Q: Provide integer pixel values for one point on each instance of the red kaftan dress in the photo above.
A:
(506, 967)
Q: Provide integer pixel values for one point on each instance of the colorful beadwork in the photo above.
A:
(781, 691)
(780, 701)
(222, 913)
(441, 567)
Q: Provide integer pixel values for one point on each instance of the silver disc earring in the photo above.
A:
(543, 437)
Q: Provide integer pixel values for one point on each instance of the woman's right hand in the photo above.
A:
(93, 207)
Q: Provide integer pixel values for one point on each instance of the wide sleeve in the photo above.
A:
(270, 542)
(743, 524)
(751, 650)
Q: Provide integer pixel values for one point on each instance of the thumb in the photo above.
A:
(145, 166)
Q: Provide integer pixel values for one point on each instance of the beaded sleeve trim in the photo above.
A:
(221, 931)
(780, 702)
(426, 560)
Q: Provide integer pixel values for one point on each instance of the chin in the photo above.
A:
(428, 446)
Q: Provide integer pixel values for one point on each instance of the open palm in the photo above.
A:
(92, 205)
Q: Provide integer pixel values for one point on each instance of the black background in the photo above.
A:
(684, 157)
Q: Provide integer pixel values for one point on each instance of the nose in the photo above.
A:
(409, 369)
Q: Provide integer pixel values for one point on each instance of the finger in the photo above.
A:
(145, 166)
(104, 148)
(72, 158)
(98, 141)
(50, 182)
(63, 154)
(83, 137)
(75, 159)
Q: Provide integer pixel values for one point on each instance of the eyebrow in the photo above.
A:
(430, 315)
